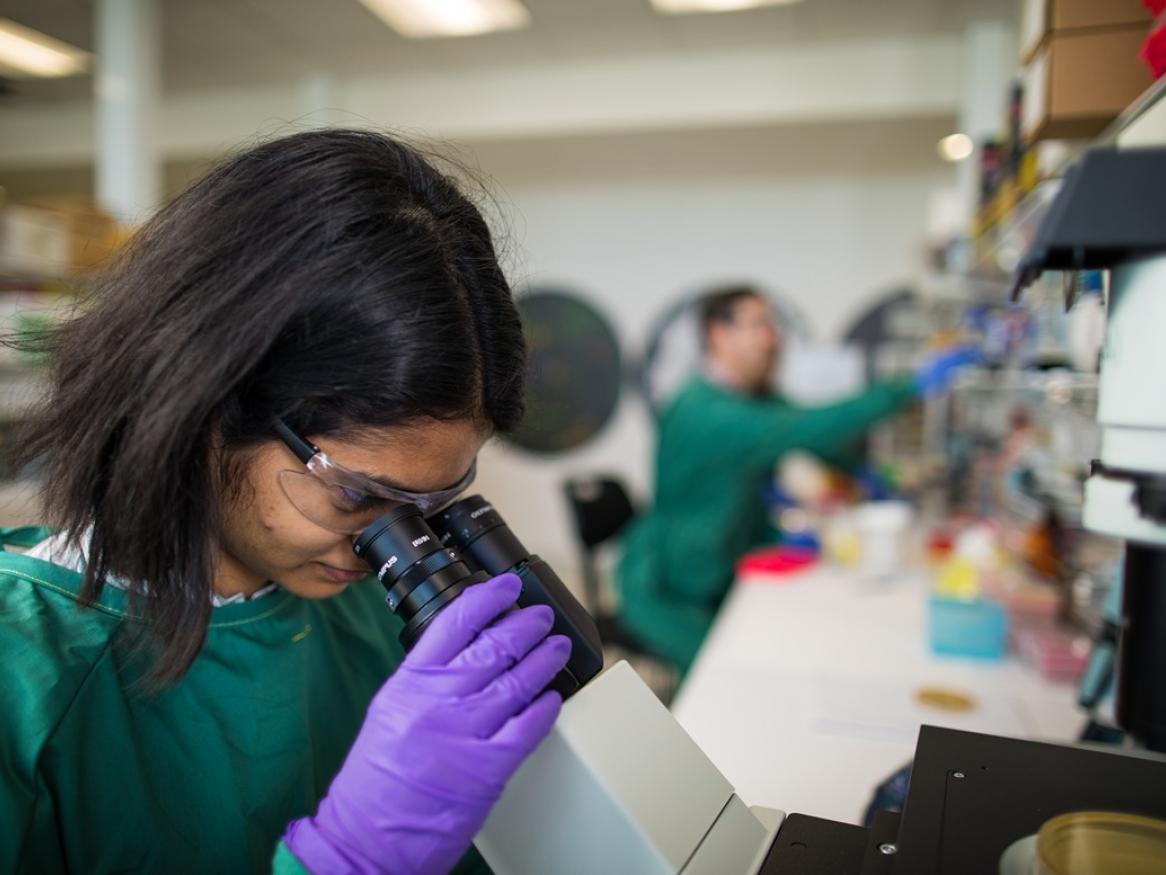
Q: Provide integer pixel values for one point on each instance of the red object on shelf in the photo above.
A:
(940, 545)
(776, 561)
(1154, 49)
(1155, 6)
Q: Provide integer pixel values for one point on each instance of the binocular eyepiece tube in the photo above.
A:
(425, 564)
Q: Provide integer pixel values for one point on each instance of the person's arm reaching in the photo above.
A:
(762, 432)
(758, 433)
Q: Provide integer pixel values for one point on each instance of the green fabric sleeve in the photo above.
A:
(847, 460)
(24, 537)
(762, 434)
(18, 792)
(45, 660)
(668, 626)
(472, 864)
(286, 863)
(672, 629)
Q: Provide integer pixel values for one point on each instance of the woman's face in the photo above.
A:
(267, 538)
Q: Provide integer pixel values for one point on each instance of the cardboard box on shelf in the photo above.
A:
(1080, 81)
(1042, 18)
(33, 241)
(94, 235)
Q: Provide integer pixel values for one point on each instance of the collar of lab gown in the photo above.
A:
(73, 553)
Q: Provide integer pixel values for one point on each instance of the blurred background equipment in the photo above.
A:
(48, 249)
(1101, 221)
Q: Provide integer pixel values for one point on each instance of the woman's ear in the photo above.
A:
(228, 468)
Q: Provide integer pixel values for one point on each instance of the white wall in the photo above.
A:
(812, 81)
(828, 214)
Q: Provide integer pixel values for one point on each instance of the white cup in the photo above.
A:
(883, 528)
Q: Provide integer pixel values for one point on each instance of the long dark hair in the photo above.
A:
(335, 279)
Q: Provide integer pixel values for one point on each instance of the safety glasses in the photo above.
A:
(343, 501)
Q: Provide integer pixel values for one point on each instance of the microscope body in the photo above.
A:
(1126, 494)
(1111, 214)
(620, 787)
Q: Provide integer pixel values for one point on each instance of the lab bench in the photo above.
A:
(806, 694)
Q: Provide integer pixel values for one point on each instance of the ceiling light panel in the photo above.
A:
(25, 53)
(421, 19)
(683, 7)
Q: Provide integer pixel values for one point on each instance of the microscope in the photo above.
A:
(619, 787)
(1111, 214)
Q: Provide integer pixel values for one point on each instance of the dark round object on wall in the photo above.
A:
(574, 374)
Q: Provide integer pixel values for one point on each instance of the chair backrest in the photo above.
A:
(601, 508)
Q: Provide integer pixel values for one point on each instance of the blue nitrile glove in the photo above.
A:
(440, 740)
(937, 372)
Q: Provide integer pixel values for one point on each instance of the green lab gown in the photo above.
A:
(99, 776)
(716, 450)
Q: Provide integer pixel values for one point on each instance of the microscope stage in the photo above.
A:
(971, 797)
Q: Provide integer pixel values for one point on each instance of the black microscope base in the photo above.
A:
(971, 796)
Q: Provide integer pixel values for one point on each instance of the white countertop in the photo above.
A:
(804, 694)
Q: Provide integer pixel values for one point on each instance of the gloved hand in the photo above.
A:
(440, 740)
(937, 372)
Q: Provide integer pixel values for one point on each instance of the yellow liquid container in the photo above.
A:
(1102, 843)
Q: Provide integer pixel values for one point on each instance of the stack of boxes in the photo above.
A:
(1081, 65)
(47, 251)
(55, 239)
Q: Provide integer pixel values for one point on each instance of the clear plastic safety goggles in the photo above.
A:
(343, 501)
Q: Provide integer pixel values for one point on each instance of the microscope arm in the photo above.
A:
(619, 787)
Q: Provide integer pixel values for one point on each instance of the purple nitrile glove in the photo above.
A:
(440, 740)
(939, 369)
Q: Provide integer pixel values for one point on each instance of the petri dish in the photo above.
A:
(1102, 843)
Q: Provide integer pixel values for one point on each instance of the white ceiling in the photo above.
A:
(226, 44)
